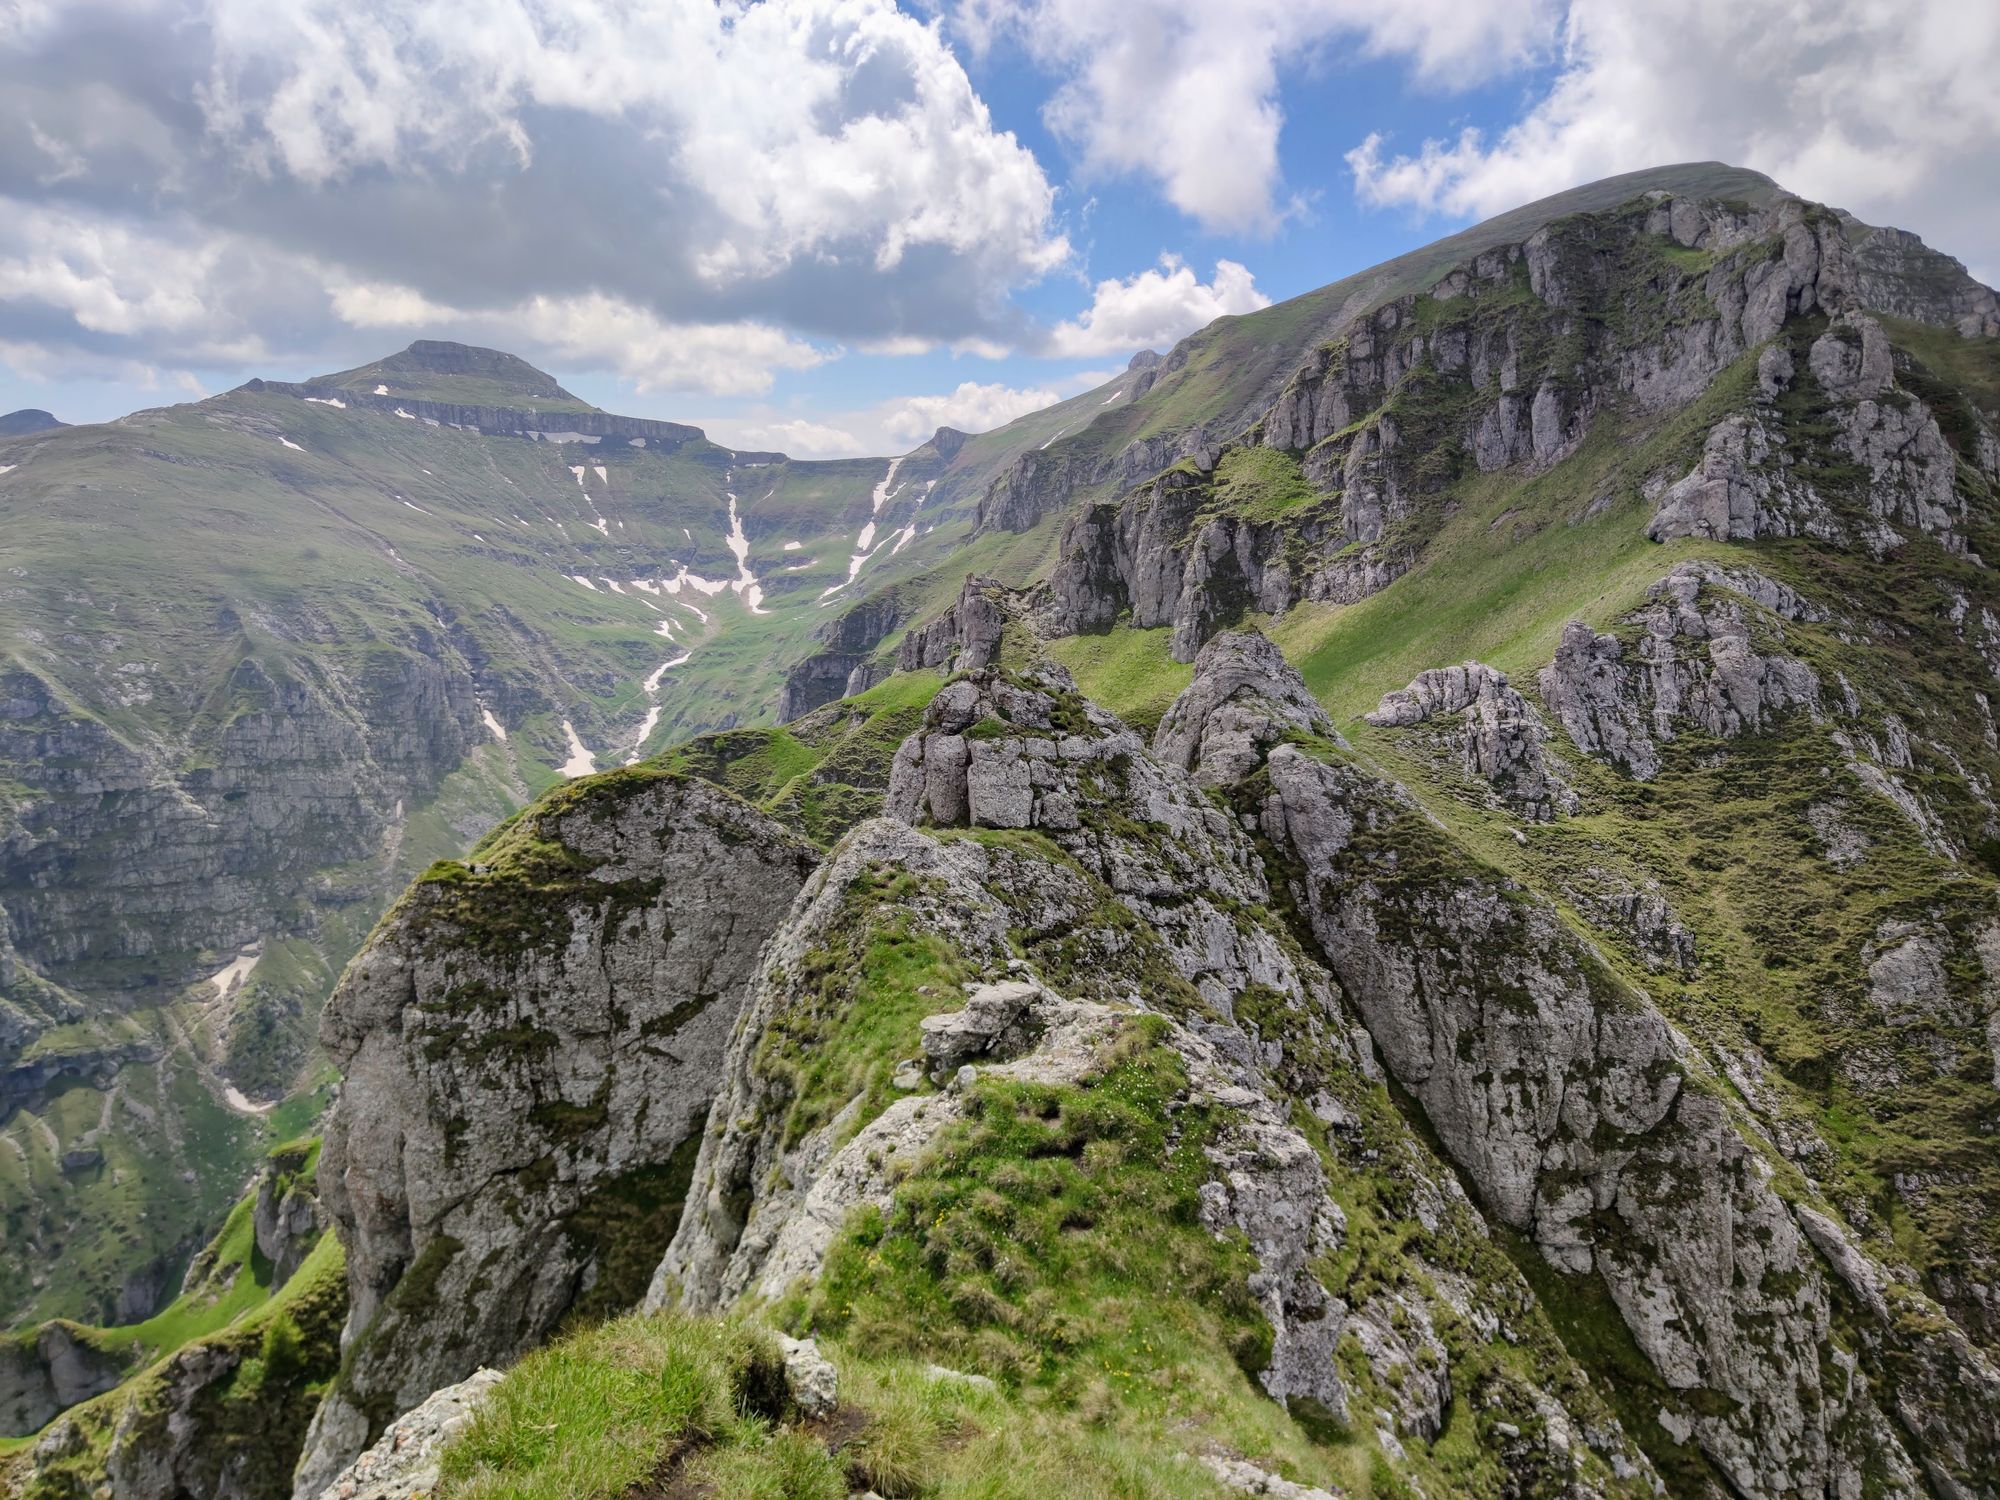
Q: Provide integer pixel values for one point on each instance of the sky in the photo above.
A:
(829, 226)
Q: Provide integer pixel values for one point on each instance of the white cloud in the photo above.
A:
(1187, 91)
(798, 438)
(1889, 111)
(893, 426)
(1155, 309)
(970, 408)
(694, 194)
(803, 126)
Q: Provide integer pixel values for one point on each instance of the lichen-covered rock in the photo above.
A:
(49, 1369)
(1221, 732)
(1132, 893)
(1691, 663)
(1583, 1121)
(528, 1045)
(966, 636)
(285, 1220)
(1501, 733)
(403, 1463)
(1755, 480)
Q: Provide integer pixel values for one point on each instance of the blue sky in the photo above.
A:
(827, 225)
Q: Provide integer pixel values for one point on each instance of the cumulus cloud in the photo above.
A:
(595, 332)
(1187, 91)
(798, 437)
(971, 408)
(893, 426)
(1155, 309)
(1888, 111)
(821, 167)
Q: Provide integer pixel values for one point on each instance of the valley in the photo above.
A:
(1400, 899)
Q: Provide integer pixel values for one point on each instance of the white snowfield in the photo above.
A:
(291, 445)
(333, 401)
(581, 762)
(748, 589)
(231, 975)
(864, 544)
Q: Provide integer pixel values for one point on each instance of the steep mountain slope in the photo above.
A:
(1527, 1024)
(268, 655)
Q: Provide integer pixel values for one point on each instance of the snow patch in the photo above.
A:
(581, 762)
(415, 507)
(603, 473)
(493, 725)
(291, 445)
(579, 578)
(616, 588)
(8, 468)
(383, 390)
(406, 416)
(794, 546)
(701, 585)
(908, 533)
(333, 401)
(237, 1100)
(229, 978)
(652, 683)
(864, 544)
(745, 583)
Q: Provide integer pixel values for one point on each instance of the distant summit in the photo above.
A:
(28, 419)
(439, 370)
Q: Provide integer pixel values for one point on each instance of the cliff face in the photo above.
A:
(528, 1047)
(1533, 1034)
(213, 1397)
(1778, 1353)
(1506, 362)
(1071, 902)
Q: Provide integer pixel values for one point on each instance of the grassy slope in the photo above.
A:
(1050, 1243)
(1782, 934)
(231, 1287)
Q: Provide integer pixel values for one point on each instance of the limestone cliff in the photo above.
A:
(528, 1047)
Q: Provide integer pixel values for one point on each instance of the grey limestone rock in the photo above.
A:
(1501, 737)
(1220, 732)
(50, 1372)
(403, 1463)
(810, 1378)
(1692, 663)
(1572, 1106)
(524, 1063)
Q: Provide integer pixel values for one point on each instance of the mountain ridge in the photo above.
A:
(1628, 574)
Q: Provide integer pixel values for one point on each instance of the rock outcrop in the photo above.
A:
(966, 636)
(1831, 448)
(403, 1464)
(1054, 977)
(1692, 664)
(49, 1369)
(1230, 716)
(1584, 1122)
(1500, 739)
(529, 1044)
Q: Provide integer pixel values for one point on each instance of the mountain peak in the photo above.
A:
(28, 419)
(442, 370)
